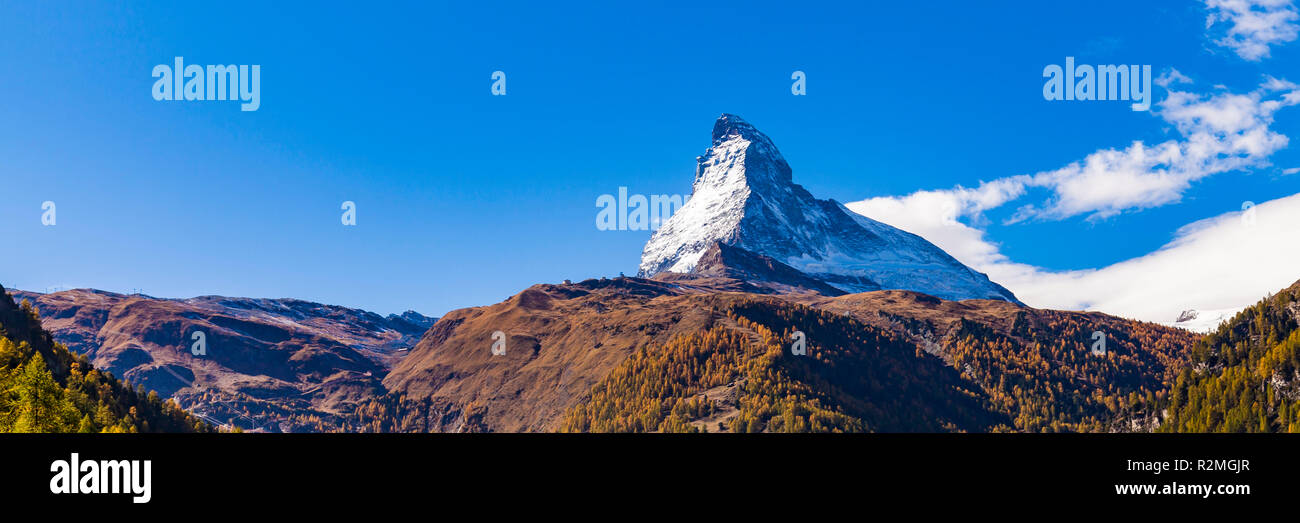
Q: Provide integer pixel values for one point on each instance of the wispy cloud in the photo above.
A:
(1220, 132)
(1252, 26)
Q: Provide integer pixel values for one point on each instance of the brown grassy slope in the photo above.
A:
(561, 339)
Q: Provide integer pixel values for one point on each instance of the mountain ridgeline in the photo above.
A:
(277, 365)
(644, 355)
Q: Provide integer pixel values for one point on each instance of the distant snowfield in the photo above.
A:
(1206, 321)
(1217, 266)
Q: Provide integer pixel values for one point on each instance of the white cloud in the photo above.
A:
(935, 215)
(1225, 262)
(1172, 77)
(1253, 25)
(1211, 265)
(1218, 264)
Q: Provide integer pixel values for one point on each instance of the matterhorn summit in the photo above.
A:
(744, 197)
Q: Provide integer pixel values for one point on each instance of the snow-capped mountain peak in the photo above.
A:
(744, 196)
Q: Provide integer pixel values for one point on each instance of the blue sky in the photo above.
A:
(465, 198)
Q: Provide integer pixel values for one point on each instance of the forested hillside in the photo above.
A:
(1244, 377)
(1044, 375)
(1037, 376)
(854, 378)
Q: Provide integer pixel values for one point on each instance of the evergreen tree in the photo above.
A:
(40, 404)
